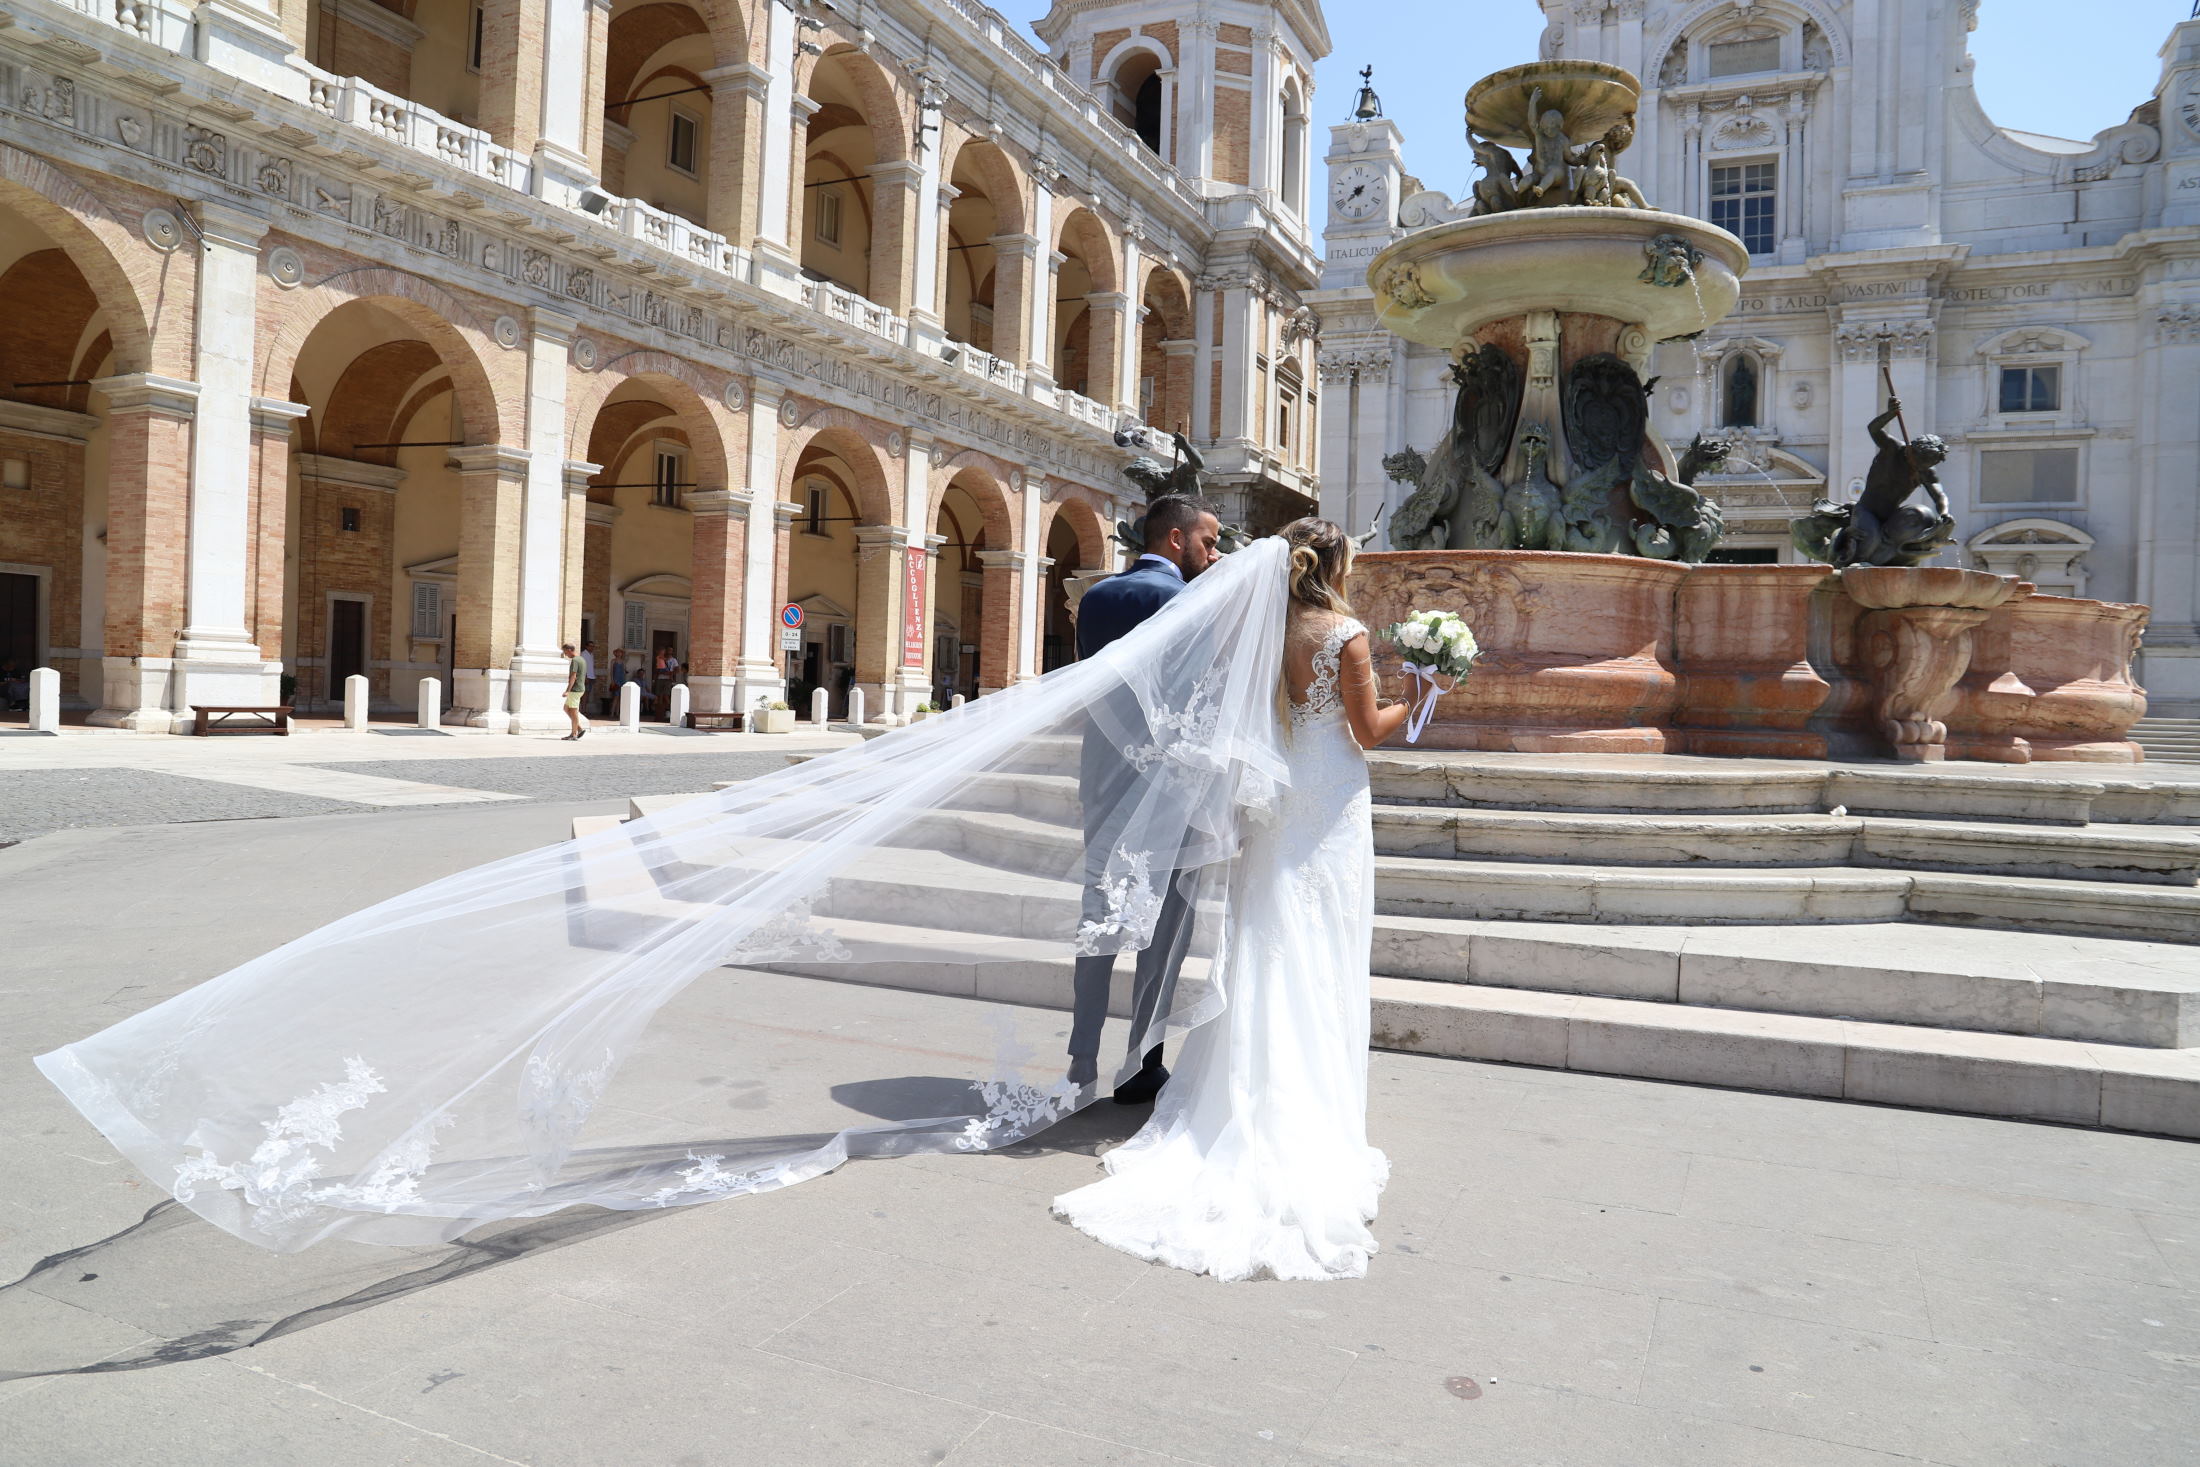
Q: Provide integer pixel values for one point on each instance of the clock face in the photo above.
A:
(1359, 192)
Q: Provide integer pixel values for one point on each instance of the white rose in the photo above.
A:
(1416, 637)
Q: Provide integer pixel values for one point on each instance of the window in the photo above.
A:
(665, 483)
(348, 519)
(476, 30)
(816, 508)
(1146, 112)
(2028, 476)
(680, 142)
(1742, 197)
(427, 611)
(15, 473)
(836, 643)
(1741, 392)
(828, 217)
(637, 627)
(1743, 55)
(2031, 389)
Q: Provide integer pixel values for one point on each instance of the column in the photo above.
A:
(766, 547)
(719, 576)
(1000, 640)
(598, 520)
(896, 222)
(511, 93)
(1110, 312)
(925, 306)
(1133, 316)
(1263, 168)
(1032, 576)
(738, 97)
(1039, 351)
(492, 490)
(217, 660)
(1203, 359)
(1241, 408)
(538, 667)
(574, 591)
(148, 518)
(2167, 524)
(272, 421)
(915, 677)
(563, 164)
(881, 566)
(1195, 128)
(1046, 283)
(1015, 269)
(778, 260)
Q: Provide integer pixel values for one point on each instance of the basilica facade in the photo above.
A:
(411, 338)
(2035, 301)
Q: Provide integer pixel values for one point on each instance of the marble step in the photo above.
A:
(2142, 854)
(2094, 853)
(2150, 1090)
(986, 846)
(2020, 794)
(2047, 985)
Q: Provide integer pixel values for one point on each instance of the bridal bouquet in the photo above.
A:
(1437, 646)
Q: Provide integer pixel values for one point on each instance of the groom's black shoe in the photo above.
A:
(1141, 1088)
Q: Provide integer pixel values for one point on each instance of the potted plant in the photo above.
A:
(922, 712)
(771, 717)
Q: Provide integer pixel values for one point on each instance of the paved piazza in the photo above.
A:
(1576, 1269)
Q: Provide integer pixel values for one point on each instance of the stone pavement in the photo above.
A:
(1578, 1271)
(89, 778)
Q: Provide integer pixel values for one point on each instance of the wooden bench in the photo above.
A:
(213, 719)
(731, 720)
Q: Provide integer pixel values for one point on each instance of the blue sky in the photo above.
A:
(2038, 69)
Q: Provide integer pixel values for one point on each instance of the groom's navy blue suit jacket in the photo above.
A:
(1111, 608)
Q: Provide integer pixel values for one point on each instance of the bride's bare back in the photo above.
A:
(1307, 633)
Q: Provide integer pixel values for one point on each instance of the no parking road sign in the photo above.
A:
(790, 628)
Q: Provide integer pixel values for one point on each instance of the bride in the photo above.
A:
(533, 1034)
(1256, 1159)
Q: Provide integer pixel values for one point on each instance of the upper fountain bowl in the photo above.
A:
(1669, 274)
(1594, 97)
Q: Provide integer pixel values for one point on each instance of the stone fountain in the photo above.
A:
(1555, 519)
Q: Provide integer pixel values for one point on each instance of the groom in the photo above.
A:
(1181, 536)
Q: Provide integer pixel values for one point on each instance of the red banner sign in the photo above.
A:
(913, 628)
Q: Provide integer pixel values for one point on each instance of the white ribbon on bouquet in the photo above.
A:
(1428, 689)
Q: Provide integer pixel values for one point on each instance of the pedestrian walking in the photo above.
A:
(576, 683)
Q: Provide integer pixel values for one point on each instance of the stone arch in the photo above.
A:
(491, 395)
(1005, 181)
(985, 479)
(1085, 519)
(1088, 234)
(1794, 11)
(151, 325)
(876, 89)
(698, 404)
(850, 438)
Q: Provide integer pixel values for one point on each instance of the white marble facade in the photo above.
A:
(2035, 300)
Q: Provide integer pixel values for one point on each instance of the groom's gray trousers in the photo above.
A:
(1106, 783)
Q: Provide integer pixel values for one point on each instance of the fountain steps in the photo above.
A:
(2019, 950)
(2169, 740)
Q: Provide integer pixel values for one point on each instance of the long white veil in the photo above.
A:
(476, 1049)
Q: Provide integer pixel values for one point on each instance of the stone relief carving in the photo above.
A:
(534, 268)
(580, 283)
(507, 332)
(272, 176)
(329, 202)
(204, 150)
(285, 267)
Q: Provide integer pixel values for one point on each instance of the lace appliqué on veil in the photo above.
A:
(1014, 1107)
(1133, 905)
(708, 1180)
(1194, 729)
(276, 1179)
(793, 934)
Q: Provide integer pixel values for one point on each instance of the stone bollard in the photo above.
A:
(431, 703)
(855, 707)
(821, 707)
(355, 701)
(630, 708)
(45, 700)
(957, 701)
(677, 706)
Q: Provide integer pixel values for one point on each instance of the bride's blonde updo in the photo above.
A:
(1321, 557)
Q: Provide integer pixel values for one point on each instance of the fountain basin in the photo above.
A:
(1615, 654)
(1437, 286)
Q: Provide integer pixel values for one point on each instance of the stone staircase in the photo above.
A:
(2000, 940)
(2169, 740)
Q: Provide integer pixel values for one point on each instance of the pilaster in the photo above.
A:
(149, 420)
(493, 486)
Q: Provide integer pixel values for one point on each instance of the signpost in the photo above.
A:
(790, 628)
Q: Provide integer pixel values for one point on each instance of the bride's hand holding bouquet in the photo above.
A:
(1440, 651)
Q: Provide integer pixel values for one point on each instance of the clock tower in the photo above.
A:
(1366, 163)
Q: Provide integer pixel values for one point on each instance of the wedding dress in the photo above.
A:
(1256, 1162)
(728, 995)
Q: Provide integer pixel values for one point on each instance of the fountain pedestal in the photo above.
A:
(1915, 638)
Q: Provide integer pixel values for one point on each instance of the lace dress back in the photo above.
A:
(1256, 1162)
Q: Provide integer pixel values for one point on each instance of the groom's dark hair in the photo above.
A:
(1174, 512)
